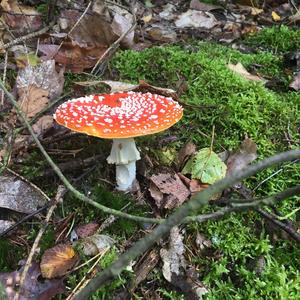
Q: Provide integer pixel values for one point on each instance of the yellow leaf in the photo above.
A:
(57, 261)
(147, 18)
(275, 16)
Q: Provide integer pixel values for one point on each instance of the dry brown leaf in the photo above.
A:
(32, 100)
(93, 31)
(240, 69)
(199, 5)
(161, 34)
(168, 190)
(74, 58)
(173, 257)
(241, 157)
(42, 125)
(18, 195)
(86, 230)
(33, 288)
(196, 19)
(57, 261)
(185, 152)
(20, 17)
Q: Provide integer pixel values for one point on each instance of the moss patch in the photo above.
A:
(236, 107)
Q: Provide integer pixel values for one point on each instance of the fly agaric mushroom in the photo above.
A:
(120, 116)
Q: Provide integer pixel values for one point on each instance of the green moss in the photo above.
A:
(10, 255)
(278, 39)
(236, 107)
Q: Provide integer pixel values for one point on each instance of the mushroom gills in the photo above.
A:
(124, 154)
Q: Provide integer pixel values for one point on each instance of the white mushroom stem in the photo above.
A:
(124, 154)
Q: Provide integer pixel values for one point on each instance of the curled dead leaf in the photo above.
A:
(58, 260)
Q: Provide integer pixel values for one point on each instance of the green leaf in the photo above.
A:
(206, 166)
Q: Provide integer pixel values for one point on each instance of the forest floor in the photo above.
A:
(240, 94)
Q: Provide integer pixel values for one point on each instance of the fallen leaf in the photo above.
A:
(147, 18)
(177, 272)
(18, 195)
(120, 25)
(73, 57)
(275, 16)
(173, 257)
(33, 288)
(185, 152)
(199, 5)
(43, 76)
(114, 86)
(202, 242)
(143, 87)
(86, 230)
(206, 166)
(97, 243)
(4, 225)
(168, 12)
(197, 186)
(168, 191)
(58, 260)
(162, 34)
(196, 19)
(240, 69)
(30, 59)
(42, 125)
(254, 11)
(20, 18)
(295, 84)
(242, 157)
(32, 100)
(93, 31)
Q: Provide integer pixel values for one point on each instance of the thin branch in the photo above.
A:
(197, 201)
(285, 227)
(28, 36)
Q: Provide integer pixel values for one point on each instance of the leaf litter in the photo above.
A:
(34, 288)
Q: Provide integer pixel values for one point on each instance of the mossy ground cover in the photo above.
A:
(235, 107)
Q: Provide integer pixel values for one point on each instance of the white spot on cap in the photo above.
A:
(108, 120)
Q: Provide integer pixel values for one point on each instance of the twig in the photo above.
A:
(28, 36)
(273, 218)
(58, 198)
(4, 76)
(200, 199)
(85, 279)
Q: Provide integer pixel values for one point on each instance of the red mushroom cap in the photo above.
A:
(119, 115)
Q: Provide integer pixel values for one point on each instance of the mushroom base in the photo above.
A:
(125, 176)
(124, 154)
